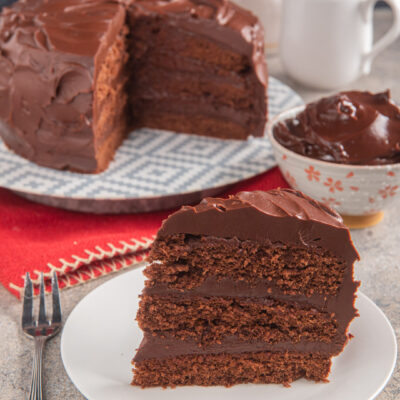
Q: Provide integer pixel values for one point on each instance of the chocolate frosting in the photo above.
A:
(51, 52)
(348, 128)
(169, 347)
(284, 216)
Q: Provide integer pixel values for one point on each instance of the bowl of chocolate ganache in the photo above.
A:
(343, 150)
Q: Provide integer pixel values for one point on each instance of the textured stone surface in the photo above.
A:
(379, 269)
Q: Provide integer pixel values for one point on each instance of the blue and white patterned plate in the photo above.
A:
(151, 164)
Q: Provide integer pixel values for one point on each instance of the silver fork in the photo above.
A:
(41, 329)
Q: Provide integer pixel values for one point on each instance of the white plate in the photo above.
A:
(100, 337)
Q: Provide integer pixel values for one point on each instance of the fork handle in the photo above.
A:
(36, 392)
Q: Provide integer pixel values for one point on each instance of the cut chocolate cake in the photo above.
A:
(257, 288)
(61, 81)
(77, 75)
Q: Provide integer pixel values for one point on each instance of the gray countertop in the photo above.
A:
(378, 270)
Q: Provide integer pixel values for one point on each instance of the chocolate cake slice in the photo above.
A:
(76, 76)
(257, 288)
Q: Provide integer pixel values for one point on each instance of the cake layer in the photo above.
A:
(176, 62)
(170, 347)
(158, 83)
(213, 286)
(209, 320)
(228, 370)
(195, 124)
(201, 108)
(185, 261)
(342, 305)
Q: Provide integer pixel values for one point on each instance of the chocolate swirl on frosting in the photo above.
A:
(280, 216)
(348, 128)
(290, 203)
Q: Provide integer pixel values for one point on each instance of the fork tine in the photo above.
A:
(42, 306)
(56, 317)
(27, 310)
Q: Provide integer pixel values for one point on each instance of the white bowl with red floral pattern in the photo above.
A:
(353, 190)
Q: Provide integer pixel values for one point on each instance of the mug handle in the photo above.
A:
(390, 36)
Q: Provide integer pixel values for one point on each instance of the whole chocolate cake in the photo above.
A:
(348, 128)
(77, 75)
(257, 288)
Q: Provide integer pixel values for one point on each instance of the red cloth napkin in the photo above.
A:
(35, 238)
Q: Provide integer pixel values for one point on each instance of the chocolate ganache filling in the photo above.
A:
(347, 128)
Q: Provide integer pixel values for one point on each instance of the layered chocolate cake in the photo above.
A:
(257, 288)
(77, 75)
(353, 127)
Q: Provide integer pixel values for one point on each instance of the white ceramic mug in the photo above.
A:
(327, 44)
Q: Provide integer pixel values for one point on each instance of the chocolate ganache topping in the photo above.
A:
(348, 128)
(284, 215)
